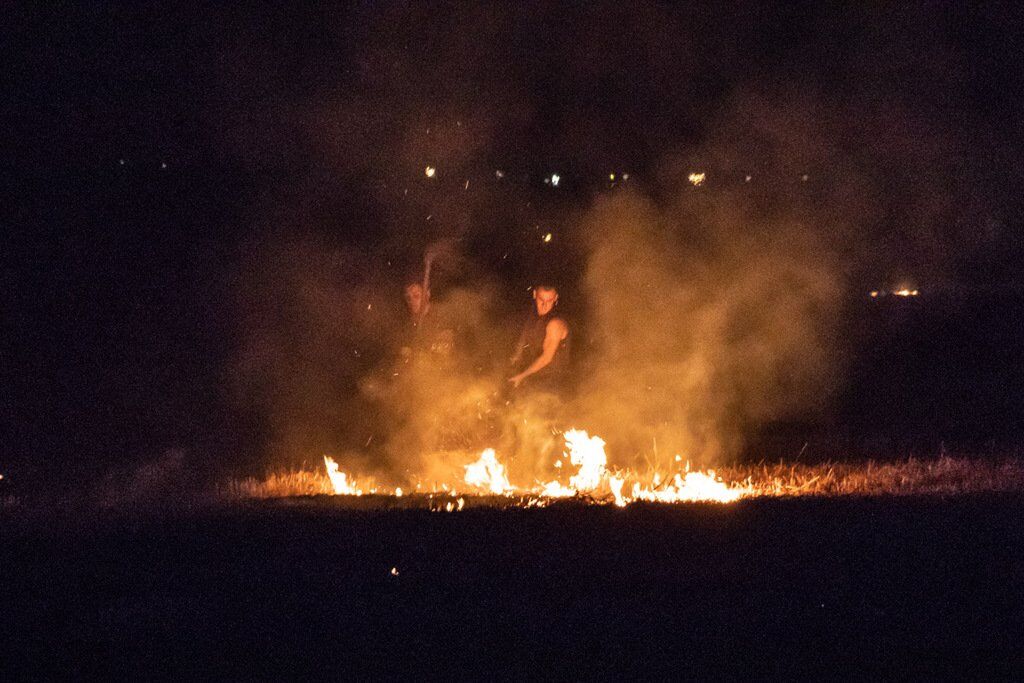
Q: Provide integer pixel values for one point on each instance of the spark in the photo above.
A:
(696, 179)
(547, 237)
(429, 171)
(554, 179)
(394, 571)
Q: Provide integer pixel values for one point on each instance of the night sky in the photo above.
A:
(161, 159)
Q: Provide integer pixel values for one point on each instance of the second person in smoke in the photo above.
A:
(423, 332)
(542, 350)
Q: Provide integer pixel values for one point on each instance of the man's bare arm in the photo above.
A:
(554, 333)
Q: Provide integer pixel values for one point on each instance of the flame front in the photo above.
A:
(339, 480)
(591, 478)
(488, 474)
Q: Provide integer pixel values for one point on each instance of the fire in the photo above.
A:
(587, 452)
(592, 478)
(487, 473)
(694, 486)
(339, 480)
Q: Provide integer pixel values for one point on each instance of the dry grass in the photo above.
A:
(941, 476)
(280, 485)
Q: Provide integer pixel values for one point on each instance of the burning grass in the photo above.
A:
(944, 475)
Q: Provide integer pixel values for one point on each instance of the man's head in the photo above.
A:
(415, 298)
(544, 298)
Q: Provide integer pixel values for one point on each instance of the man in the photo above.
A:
(423, 332)
(543, 345)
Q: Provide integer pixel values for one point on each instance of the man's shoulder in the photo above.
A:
(558, 325)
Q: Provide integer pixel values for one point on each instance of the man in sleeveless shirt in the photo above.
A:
(542, 352)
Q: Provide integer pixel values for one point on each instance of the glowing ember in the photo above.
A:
(547, 237)
(905, 292)
(696, 179)
(487, 473)
(429, 171)
(339, 480)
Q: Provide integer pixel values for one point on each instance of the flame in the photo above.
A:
(339, 480)
(588, 453)
(487, 473)
(694, 486)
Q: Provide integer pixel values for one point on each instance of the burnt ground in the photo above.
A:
(797, 587)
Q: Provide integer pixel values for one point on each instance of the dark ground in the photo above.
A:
(801, 587)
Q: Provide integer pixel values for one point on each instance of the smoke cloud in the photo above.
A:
(699, 313)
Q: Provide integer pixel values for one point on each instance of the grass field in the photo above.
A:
(939, 476)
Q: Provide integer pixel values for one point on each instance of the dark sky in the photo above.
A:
(149, 144)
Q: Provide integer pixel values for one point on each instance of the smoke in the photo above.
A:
(710, 322)
(701, 313)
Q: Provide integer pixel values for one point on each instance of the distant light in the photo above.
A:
(611, 176)
(746, 179)
(696, 179)
(547, 237)
(120, 161)
(874, 293)
(554, 179)
(429, 171)
(394, 571)
(905, 292)
(398, 492)
(499, 174)
(466, 186)
(625, 176)
(163, 164)
(804, 177)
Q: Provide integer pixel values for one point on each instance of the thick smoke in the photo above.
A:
(709, 321)
(702, 313)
